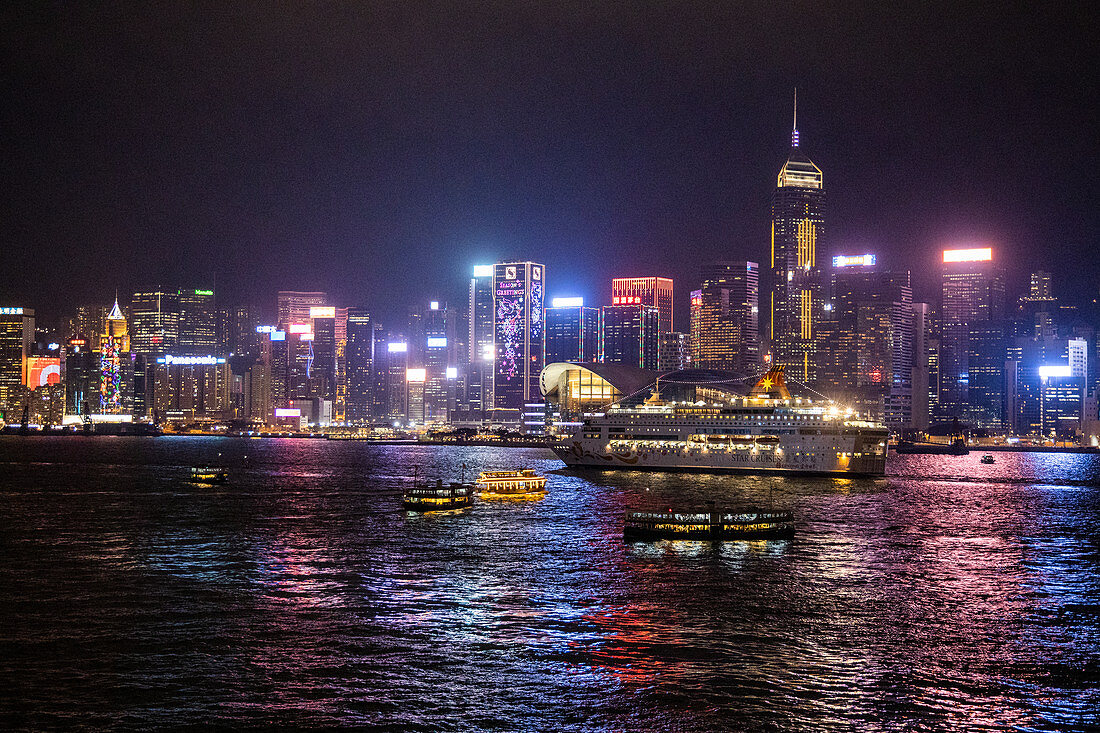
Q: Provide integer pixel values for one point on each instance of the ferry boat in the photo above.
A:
(709, 524)
(209, 475)
(511, 484)
(764, 431)
(439, 497)
(987, 459)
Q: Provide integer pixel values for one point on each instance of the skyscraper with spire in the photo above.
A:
(797, 234)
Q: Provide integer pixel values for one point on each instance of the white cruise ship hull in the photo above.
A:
(852, 457)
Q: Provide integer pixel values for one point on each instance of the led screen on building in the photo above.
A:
(43, 370)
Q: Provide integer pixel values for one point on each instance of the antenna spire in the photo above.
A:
(794, 126)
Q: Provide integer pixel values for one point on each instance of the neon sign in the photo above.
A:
(436, 342)
(416, 375)
(483, 270)
(11, 311)
(397, 347)
(300, 328)
(567, 302)
(981, 254)
(854, 260)
(265, 329)
(191, 360)
(321, 311)
(1056, 370)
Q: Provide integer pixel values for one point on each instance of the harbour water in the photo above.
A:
(950, 595)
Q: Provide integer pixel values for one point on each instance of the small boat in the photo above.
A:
(987, 459)
(439, 497)
(709, 524)
(208, 475)
(521, 484)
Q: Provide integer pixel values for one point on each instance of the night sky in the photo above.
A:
(379, 151)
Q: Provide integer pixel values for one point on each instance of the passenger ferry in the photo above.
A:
(711, 524)
(764, 431)
(208, 475)
(439, 497)
(511, 484)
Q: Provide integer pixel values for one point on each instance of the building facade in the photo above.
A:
(518, 293)
(652, 291)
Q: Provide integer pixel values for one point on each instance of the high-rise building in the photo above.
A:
(797, 234)
(518, 290)
(1036, 310)
(1045, 386)
(653, 291)
(479, 362)
(973, 298)
(359, 360)
(154, 322)
(724, 318)
(293, 306)
(629, 334)
(437, 350)
(674, 352)
(921, 377)
(16, 337)
(197, 323)
(865, 345)
(572, 332)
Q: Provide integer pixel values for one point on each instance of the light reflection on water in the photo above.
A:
(952, 594)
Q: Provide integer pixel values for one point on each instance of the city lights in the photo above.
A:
(572, 302)
(416, 375)
(437, 342)
(320, 311)
(1055, 370)
(483, 270)
(397, 347)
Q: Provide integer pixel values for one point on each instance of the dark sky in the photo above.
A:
(378, 151)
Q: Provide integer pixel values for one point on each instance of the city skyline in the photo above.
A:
(156, 176)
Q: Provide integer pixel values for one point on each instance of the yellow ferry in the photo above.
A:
(521, 484)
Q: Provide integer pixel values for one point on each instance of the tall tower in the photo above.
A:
(797, 233)
(518, 289)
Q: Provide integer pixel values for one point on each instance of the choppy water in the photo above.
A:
(950, 596)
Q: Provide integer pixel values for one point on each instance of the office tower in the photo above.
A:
(237, 332)
(16, 337)
(921, 381)
(518, 289)
(433, 349)
(972, 299)
(381, 366)
(396, 379)
(724, 318)
(321, 364)
(1045, 391)
(674, 351)
(797, 233)
(630, 335)
(572, 332)
(88, 324)
(359, 360)
(197, 323)
(191, 388)
(480, 363)
(1036, 310)
(340, 405)
(154, 322)
(115, 328)
(654, 291)
(81, 378)
(293, 306)
(865, 345)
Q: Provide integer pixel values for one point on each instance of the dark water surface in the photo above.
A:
(950, 596)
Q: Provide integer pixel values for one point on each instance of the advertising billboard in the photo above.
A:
(43, 370)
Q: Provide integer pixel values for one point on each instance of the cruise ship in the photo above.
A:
(764, 431)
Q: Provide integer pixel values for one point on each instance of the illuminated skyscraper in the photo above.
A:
(16, 337)
(293, 306)
(197, 324)
(630, 335)
(865, 346)
(479, 365)
(971, 376)
(797, 234)
(359, 360)
(154, 322)
(518, 289)
(724, 318)
(653, 291)
(572, 332)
